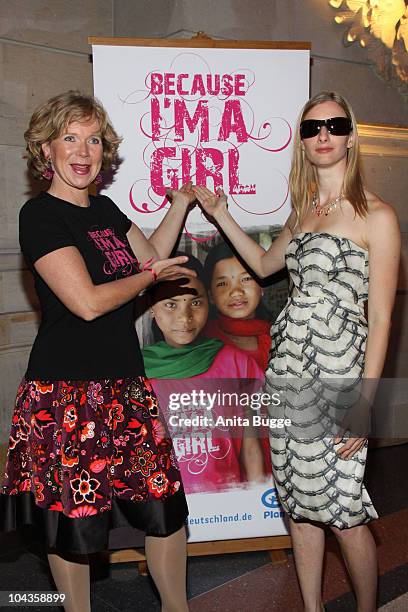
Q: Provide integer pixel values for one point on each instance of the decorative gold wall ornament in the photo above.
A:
(380, 26)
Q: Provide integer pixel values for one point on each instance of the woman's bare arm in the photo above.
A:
(262, 262)
(384, 245)
(161, 242)
(66, 274)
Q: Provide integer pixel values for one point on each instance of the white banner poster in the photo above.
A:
(220, 117)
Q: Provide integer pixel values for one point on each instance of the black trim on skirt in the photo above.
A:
(90, 534)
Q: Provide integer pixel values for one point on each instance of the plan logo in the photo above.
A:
(270, 500)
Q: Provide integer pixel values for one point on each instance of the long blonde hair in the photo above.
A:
(302, 178)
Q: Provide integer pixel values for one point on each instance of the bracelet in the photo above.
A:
(152, 271)
(146, 268)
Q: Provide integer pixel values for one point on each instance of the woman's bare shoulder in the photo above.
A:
(377, 207)
(381, 215)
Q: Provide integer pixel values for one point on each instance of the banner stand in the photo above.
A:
(275, 545)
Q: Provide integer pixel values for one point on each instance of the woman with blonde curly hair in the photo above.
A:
(321, 338)
(87, 450)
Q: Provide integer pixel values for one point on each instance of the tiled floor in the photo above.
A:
(244, 582)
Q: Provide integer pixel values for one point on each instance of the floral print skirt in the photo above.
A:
(86, 457)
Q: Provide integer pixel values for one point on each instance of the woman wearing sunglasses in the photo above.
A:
(337, 231)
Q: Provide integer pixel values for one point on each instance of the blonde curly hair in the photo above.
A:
(53, 116)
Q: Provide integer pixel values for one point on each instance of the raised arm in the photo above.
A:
(66, 274)
(262, 262)
(161, 242)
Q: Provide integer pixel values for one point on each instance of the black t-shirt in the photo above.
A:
(68, 347)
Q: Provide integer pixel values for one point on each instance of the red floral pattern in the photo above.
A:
(75, 445)
(84, 488)
(158, 484)
(143, 461)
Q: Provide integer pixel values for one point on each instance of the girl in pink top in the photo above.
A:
(213, 454)
(237, 297)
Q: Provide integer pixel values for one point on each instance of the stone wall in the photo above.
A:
(43, 51)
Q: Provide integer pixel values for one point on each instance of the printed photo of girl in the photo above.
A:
(237, 299)
(210, 458)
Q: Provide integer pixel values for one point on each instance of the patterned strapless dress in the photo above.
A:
(317, 362)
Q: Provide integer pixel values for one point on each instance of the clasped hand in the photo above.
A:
(184, 196)
(211, 203)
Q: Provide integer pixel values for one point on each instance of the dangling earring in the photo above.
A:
(98, 179)
(48, 172)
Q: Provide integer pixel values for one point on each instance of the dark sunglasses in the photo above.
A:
(337, 126)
